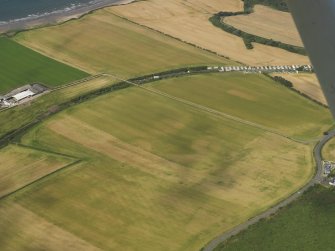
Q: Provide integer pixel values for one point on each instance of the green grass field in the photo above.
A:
(20, 65)
(307, 224)
(103, 42)
(255, 98)
(156, 174)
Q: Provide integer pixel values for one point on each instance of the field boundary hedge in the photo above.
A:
(248, 39)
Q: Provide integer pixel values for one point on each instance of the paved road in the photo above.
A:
(316, 180)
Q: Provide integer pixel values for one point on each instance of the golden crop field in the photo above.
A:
(269, 23)
(191, 18)
(102, 42)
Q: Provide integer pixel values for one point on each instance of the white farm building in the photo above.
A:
(22, 95)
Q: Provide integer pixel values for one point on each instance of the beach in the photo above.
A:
(56, 17)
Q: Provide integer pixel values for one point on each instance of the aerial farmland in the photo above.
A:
(141, 142)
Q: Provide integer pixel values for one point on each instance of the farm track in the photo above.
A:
(214, 112)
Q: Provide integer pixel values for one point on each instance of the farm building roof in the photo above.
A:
(23, 95)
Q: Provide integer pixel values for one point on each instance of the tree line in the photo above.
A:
(276, 4)
(218, 21)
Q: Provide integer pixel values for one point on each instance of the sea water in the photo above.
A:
(14, 10)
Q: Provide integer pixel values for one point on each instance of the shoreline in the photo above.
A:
(59, 17)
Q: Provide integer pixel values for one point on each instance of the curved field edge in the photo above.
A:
(194, 27)
(18, 117)
(281, 27)
(305, 224)
(132, 50)
(190, 182)
(218, 21)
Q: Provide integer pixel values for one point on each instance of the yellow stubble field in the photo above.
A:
(268, 23)
(188, 21)
(306, 83)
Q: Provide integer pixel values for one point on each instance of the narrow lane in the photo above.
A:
(317, 152)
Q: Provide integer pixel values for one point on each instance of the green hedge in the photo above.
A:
(276, 4)
(217, 20)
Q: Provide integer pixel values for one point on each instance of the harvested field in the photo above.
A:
(21, 166)
(191, 18)
(268, 23)
(306, 83)
(158, 173)
(102, 42)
